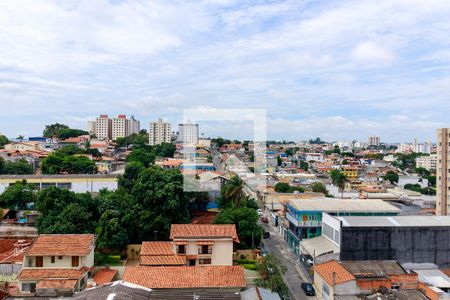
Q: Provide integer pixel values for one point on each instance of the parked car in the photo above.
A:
(266, 235)
(308, 289)
(264, 219)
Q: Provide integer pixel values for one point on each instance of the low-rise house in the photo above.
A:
(332, 280)
(192, 244)
(57, 264)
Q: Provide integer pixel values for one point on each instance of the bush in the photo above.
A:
(252, 267)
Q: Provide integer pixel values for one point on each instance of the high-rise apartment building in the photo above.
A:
(374, 141)
(119, 127)
(442, 171)
(103, 127)
(159, 132)
(188, 133)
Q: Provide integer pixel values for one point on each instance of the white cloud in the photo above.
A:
(370, 53)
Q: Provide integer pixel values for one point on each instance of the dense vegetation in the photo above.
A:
(62, 131)
(20, 167)
(3, 141)
(282, 187)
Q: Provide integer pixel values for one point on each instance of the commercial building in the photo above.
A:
(79, 183)
(159, 132)
(442, 171)
(374, 141)
(188, 133)
(304, 216)
(427, 162)
(407, 239)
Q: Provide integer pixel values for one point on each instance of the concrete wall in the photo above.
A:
(64, 262)
(222, 252)
(405, 244)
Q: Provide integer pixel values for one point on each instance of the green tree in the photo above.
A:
(69, 150)
(431, 180)
(60, 163)
(304, 165)
(142, 156)
(18, 196)
(423, 172)
(164, 149)
(131, 174)
(339, 180)
(271, 275)
(137, 140)
(3, 141)
(63, 211)
(246, 221)
(232, 192)
(68, 133)
(53, 130)
(391, 176)
(319, 187)
(20, 167)
(282, 187)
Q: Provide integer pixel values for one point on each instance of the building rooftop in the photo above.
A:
(49, 273)
(58, 176)
(333, 273)
(331, 205)
(198, 231)
(157, 248)
(116, 290)
(162, 260)
(395, 221)
(373, 268)
(62, 244)
(186, 277)
(104, 276)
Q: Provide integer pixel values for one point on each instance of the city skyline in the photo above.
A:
(318, 77)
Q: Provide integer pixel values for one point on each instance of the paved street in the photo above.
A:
(276, 246)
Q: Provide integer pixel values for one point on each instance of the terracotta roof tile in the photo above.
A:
(186, 277)
(163, 260)
(38, 273)
(57, 284)
(178, 231)
(157, 248)
(62, 244)
(326, 271)
(104, 276)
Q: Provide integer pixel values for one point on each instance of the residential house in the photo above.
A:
(57, 264)
(193, 244)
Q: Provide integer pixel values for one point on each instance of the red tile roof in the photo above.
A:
(62, 244)
(186, 277)
(57, 284)
(38, 273)
(157, 248)
(326, 271)
(163, 260)
(104, 276)
(179, 231)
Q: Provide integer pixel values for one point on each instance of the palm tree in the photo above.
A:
(339, 179)
(20, 138)
(233, 191)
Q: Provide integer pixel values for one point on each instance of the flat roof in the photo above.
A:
(373, 268)
(395, 221)
(343, 205)
(317, 246)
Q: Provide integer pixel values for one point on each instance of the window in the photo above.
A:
(75, 261)
(204, 249)
(204, 261)
(39, 261)
(52, 259)
(181, 249)
(59, 257)
(29, 287)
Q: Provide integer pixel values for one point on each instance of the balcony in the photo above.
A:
(297, 223)
(204, 251)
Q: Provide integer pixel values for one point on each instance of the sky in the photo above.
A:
(340, 70)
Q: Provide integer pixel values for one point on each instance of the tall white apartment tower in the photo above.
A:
(188, 133)
(134, 126)
(103, 127)
(374, 141)
(442, 172)
(159, 132)
(119, 127)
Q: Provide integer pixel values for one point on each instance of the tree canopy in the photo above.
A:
(20, 167)
(61, 163)
(339, 180)
(3, 141)
(18, 196)
(391, 176)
